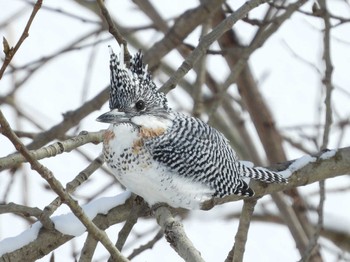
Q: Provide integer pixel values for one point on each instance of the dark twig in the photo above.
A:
(146, 246)
(114, 30)
(10, 52)
(206, 41)
(327, 81)
(135, 212)
(237, 252)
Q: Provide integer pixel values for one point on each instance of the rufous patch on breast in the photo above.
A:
(137, 145)
(151, 132)
(108, 136)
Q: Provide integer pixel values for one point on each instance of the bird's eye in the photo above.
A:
(140, 105)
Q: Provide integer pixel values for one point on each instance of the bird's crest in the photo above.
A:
(130, 84)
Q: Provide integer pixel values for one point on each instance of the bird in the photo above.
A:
(165, 156)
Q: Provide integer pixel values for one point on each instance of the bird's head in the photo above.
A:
(134, 97)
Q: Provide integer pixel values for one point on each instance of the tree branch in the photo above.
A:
(176, 236)
(321, 169)
(114, 30)
(182, 27)
(53, 149)
(49, 240)
(237, 252)
(10, 52)
(206, 41)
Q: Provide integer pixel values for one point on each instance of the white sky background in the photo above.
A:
(292, 88)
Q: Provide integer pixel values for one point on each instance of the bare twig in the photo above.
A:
(328, 74)
(146, 246)
(20, 209)
(74, 184)
(206, 41)
(10, 52)
(114, 30)
(328, 120)
(182, 27)
(65, 13)
(200, 80)
(135, 212)
(237, 252)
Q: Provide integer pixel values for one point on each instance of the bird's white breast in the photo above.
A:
(135, 168)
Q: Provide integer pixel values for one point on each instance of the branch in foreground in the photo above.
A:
(323, 167)
(237, 251)
(314, 169)
(53, 149)
(176, 236)
(48, 240)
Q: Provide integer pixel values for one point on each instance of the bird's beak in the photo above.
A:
(113, 117)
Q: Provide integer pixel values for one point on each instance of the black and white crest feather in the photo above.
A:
(130, 84)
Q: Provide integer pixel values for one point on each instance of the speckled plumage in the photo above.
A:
(163, 155)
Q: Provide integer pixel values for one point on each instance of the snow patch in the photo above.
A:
(67, 224)
(12, 243)
(328, 154)
(297, 164)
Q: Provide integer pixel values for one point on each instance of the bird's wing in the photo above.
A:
(193, 149)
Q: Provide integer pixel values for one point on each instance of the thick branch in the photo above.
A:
(49, 240)
(321, 169)
(176, 236)
(237, 252)
(53, 149)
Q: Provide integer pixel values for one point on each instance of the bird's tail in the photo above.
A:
(262, 174)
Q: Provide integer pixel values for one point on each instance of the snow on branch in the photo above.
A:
(301, 172)
(114, 209)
